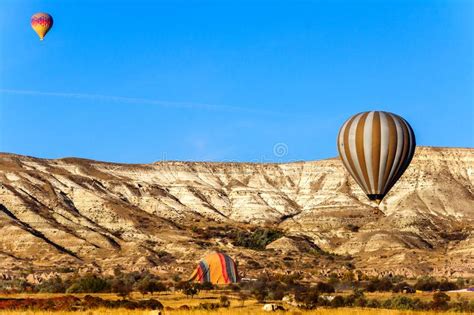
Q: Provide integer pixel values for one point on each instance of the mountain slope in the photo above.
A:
(94, 215)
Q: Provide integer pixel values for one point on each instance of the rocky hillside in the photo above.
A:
(93, 216)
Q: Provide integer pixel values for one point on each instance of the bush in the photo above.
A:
(260, 295)
(257, 239)
(291, 279)
(426, 284)
(151, 304)
(92, 302)
(208, 306)
(53, 285)
(66, 303)
(357, 297)
(440, 301)
(71, 303)
(89, 284)
(234, 287)
(206, 286)
(324, 287)
(462, 304)
(403, 287)
(404, 303)
(224, 301)
(191, 291)
(460, 282)
(276, 290)
(188, 288)
(360, 302)
(373, 303)
(338, 301)
(308, 298)
(445, 285)
(146, 286)
(122, 288)
(381, 285)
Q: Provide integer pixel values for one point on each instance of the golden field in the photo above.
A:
(250, 307)
(239, 311)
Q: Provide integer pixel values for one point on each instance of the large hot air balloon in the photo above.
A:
(376, 148)
(217, 268)
(41, 24)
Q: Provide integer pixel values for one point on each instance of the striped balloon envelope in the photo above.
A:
(41, 24)
(376, 148)
(216, 268)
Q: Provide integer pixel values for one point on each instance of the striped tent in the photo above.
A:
(217, 268)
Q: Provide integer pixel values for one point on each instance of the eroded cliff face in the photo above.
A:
(93, 216)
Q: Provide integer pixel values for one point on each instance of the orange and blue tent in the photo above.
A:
(217, 268)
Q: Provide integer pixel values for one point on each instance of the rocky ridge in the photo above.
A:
(94, 216)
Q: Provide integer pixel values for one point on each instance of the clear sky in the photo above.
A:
(261, 81)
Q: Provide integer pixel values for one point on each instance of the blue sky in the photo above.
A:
(142, 81)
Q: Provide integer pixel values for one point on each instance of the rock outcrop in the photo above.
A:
(93, 216)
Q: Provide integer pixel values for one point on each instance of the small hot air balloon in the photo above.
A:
(41, 24)
(376, 148)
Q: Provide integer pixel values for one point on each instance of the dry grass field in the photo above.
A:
(238, 311)
(250, 307)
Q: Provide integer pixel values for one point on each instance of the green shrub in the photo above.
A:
(224, 301)
(360, 302)
(357, 296)
(147, 285)
(275, 289)
(440, 301)
(461, 282)
(405, 303)
(121, 287)
(427, 284)
(235, 287)
(462, 304)
(206, 286)
(257, 239)
(379, 284)
(324, 287)
(188, 288)
(208, 306)
(88, 284)
(151, 304)
(53, 285)
(338, 301)
(308, 299)
(260, 294)
(373, 303)
(445, 285)
(403, 287)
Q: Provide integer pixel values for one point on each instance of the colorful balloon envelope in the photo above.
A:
(41, 24)
(376, 148)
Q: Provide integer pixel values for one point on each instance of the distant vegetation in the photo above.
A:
(256, 238)
(71, 303)
(120, 283)
(267, 288)
(322, 294)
